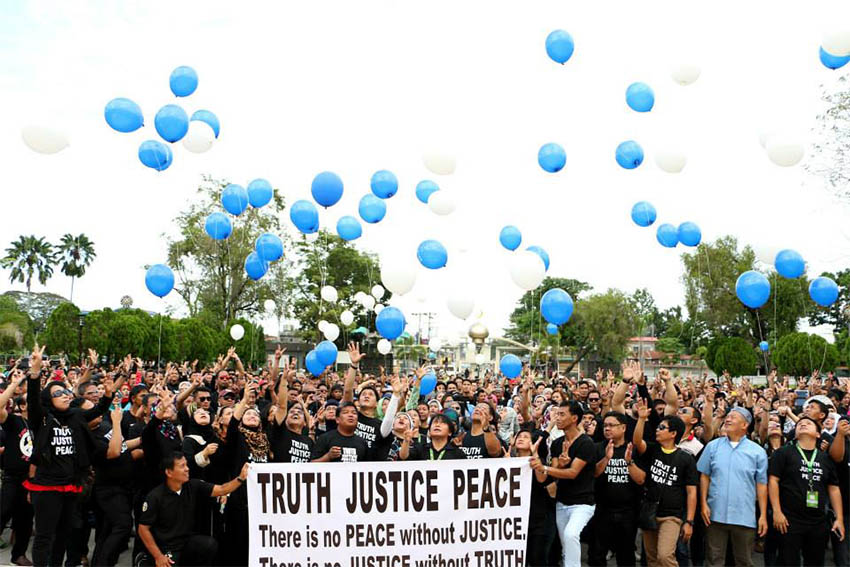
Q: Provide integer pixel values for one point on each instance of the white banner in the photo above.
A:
(470, 513)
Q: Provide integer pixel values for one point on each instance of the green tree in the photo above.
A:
(97, 329)
(732, 354)
(61, 333)
(76, 253)
(526, 322)
(196, 340)
(210, 273)
(251, 348)
(27, 258)
(798, 354)
(330, 260)
(829, 158)
(670, 345)
(650, 319)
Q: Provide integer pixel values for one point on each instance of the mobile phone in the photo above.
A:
(24, 363)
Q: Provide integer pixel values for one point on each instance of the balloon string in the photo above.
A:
(761, 338)
(159, 342)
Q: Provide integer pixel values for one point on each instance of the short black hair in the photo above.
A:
(807, 418)
(170, 459)
(134, 391)
(344, 405)
(621, 417)
(374, 391)
(674, 424)
(445, 419)
(574, 407)
(824, 409)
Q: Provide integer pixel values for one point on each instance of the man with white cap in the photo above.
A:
(733, 474)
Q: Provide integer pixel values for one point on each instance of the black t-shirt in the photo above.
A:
(387, 448)
(475, 447)
(843, 471)
(368, 428)
(118, 471)
(578, 490)
(289, 447)
(615, 489)
(667, 476)
(171, 516)
(18, 446)
(787, 464)
(354, 448)
(426, 452)
(62, 449)
(541, 511)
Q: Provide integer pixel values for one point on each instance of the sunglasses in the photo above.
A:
(59, 392)
(592, 399)
(662, 427)
(204, 399)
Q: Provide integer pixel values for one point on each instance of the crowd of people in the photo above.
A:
(662, 471)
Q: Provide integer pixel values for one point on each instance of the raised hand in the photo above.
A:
(629, 449)
(36, 359)
(643, 409)
(564, 458)
(609, 450)
(354, 352)
(93, 357)
(278, 352)
(535, 446)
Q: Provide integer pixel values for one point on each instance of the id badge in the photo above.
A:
(811, 499)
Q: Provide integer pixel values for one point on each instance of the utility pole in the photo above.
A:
(429, 315)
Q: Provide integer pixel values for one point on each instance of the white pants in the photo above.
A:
(571, 521)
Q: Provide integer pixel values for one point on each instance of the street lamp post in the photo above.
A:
(82, 318)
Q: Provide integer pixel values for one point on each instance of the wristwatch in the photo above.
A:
(691, 522)
(240, 479)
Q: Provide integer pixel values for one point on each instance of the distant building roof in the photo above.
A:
(642, 340)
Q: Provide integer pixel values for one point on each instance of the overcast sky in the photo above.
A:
(354, 87)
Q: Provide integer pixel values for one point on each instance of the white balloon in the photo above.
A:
(346, 317)
(269, 305)
(322, 325)
(435, 344)
(480, 358)
(379, 308)
(368, 302)
(671, 161)
(199, 138)
(44, 140)
(329, 294)
(398, 276)
(377, 291)
(527, 270)
(766, 253)
(384, 346)
(358, 297)
(837, 42)
(784, 150)
(685, 74)
(441, 203)
(237, 331)
(331, 331)
(460, 306)
(439, 163)
(764, 136)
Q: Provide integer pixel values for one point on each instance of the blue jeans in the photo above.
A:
(571, 521)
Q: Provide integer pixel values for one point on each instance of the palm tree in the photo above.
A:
(28, 257)
(76, 253)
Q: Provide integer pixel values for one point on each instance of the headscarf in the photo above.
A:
(206, 432)
(257, 441)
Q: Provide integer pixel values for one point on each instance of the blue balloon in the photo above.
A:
(209, 118)
(348, 228)
(326, 352)
(234, 199)
(752, 288)
(428, 383)
(764, 346)
(159, 279)
(123, 115)
(260, 192)
(255, 267)
(667, 235)
(326, 188)
(384, 184)
(822, 290)
(510, 365)
(218, 226)
(639, 97)
(510, 237)
(269, 247)
(789, 264)
(643, 213)
(556, 305)
(689, 234)
(183, 81)
(432, 355)
(559, 46)
(155, 155)
(542, 253)
(629, 154)
(552, 157)
(424, 189)
(171, 123)
(432, 255)
(831, 61)
(552, 329)
(304, 216)
(390, 323)
(371, 208)
(313, 364)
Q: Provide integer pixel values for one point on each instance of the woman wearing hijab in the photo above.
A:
(246, 443)
(62, 449)
(200, 444)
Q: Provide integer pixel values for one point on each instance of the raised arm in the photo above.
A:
(113, 451)
(184, 395)
(34, 410)
(670, 395)
(637, 437)
(351, 374)
(398, 386)
(228, 487)
(18, 378)
(283, 393)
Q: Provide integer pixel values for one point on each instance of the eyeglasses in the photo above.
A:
(610, 425)
(59, 392)
(662, 427)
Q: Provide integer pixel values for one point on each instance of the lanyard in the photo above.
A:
(810, 463)
(441, 454)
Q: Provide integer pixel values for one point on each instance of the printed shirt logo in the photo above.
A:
(25, 444)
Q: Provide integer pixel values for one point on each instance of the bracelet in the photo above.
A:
(240, 479)
(355, 366)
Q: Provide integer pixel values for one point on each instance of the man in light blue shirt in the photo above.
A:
(733, 474)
